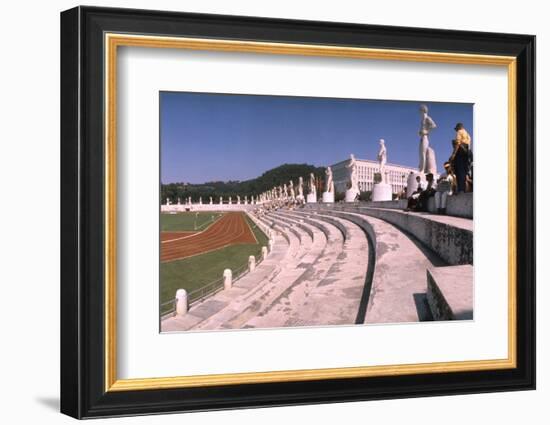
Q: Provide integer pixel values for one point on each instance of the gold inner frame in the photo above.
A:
(113, 41)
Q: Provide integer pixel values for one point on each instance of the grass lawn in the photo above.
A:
(187, 221)
(195, 272)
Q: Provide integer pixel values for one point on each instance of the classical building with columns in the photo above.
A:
(396, 175)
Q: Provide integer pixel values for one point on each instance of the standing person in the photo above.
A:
(459, 163)
(462, 136)
(443, 189)
(461, 157)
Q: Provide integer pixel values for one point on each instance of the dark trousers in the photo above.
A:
(460, 167)
(422, 204)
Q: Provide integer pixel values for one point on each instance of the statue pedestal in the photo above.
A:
(381, 192)
(351, 195)
(311, 198)
(328, 197)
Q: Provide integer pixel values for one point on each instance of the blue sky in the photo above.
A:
(211, 137)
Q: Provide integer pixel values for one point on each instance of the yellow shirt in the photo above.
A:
(462, 137)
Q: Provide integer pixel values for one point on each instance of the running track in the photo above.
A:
(168, 236)
(230, 229)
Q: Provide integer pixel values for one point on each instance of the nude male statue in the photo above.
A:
(426, 125)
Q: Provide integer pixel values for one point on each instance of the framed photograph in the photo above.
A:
(261, 212)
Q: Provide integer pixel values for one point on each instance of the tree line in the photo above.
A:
(274, 177)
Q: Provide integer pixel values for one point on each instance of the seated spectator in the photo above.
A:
(427, 193)
(444, 188)
(413, 199)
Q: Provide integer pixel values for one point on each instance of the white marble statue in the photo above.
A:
(167, 201)
(291, 189)
(312, 189)
(229, 200)
(221, 200)
(189, 200)
(245, 199)
(179, 201)
(329, 186)
(200, 200)
(300, 188)
(382, 159)
(211, 201)
(238, 200)
(285, 191)
(426, 125)
(353, 179)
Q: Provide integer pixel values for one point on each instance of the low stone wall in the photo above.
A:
(400, 204)
(454, 244)
(460, 205)
(450, 292)
(208, 207)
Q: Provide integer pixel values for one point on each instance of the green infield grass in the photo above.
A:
(187, 221)
(195, 272)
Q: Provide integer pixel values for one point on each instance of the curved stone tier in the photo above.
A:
(341, 295)
(450, 237)
(398, 292)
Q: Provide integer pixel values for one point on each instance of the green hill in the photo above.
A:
(274, 177)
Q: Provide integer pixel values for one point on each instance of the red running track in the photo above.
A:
(168, 236)
(230, 229)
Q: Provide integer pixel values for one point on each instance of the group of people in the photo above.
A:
(457, 177)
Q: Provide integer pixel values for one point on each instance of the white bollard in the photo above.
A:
(251, 263)
(264, 252)
(181, 302)
(227, 279)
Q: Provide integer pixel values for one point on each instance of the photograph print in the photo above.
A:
(286, 211)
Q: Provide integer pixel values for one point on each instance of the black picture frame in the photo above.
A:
(83, 392)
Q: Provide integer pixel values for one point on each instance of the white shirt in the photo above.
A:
(449, 178)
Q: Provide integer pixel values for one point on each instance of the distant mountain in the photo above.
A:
(274, 177)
